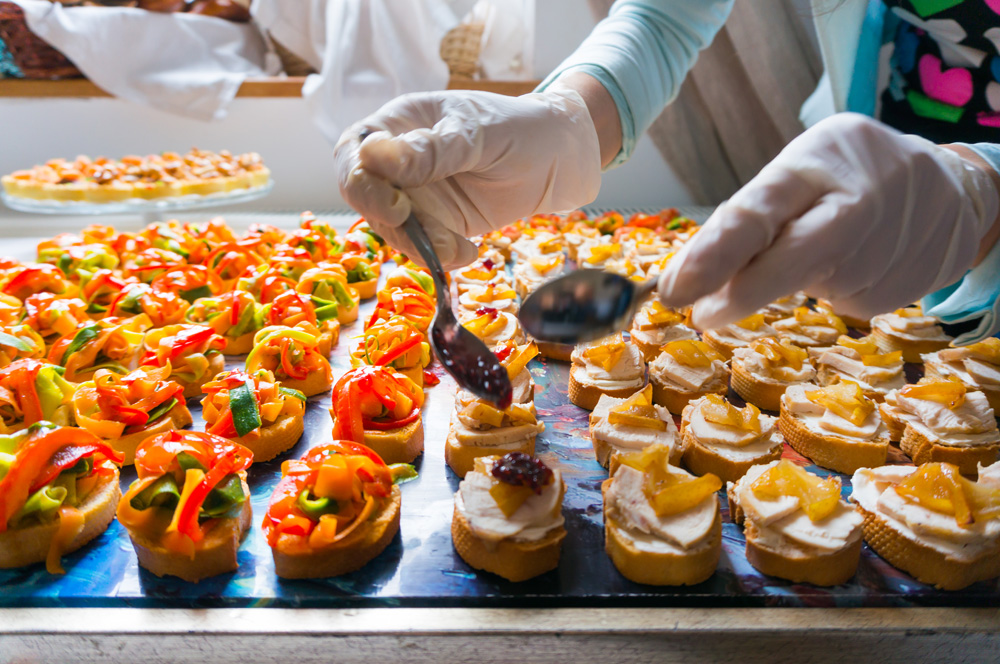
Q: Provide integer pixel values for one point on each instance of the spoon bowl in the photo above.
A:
(464, 355)
(582, 305)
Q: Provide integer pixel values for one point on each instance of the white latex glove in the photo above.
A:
(470, 162)
(852, 211)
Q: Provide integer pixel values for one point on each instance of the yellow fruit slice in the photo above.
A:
(845, 400)
(817, 497)
(938, 487)
(519, 358)
(484, 413)
(692, 352)
(950, 392)
(719, 411)
(637, 416)
(660, 315)
(987, 350)
(606, 354)
(546, 265)
(602, 252)
(781, 353)
(752, 323)
(509, 498)
(673, 493)
(805, 316)
(869, 352)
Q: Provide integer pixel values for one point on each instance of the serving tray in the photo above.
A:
(420, 567)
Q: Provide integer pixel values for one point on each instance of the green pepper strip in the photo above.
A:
(314, 508)
(14, 342)
(161, 493)
(246, 412)
(83, 336)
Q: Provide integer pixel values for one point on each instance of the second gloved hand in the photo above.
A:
(852, 211)
(468, 162)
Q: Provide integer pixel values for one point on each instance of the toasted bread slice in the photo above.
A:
(351, 553)
(512, 559)
(587, 396)
(911, 348)
(240, 345)
(401, 445)
(279, 437)
(555, 351)
(315, 383)
(763, 393)
(833, 452)
(215, 555)
(462, 458)
(675, 399)
(701, 459)
(925, 563)
(968, 459)
(801, 565)
(25, 546)
(661, 569)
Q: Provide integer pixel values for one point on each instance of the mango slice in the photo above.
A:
(519, 358)
(781, 353)
(987, 350)
(941, 488)
(660, 315)
(845, 400)
(806, 316)
(669, 492)
(692, 352)
(606, 354)
(753, 322)
(869, 352)
(509, 498)
(817, 497)
(719, 411)
(949, 392)
(546, 265)
(602, 252)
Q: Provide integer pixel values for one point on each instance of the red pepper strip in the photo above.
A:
(224, 426)
(430, 378)
(234, 316)
(23, 373)
(399, 350)
(349, 425)
(67, 457)
(187, 522)
(392, 424)
(293, 524)
(188, 337)
(32, 458)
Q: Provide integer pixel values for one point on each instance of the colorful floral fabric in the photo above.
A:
(944, 71)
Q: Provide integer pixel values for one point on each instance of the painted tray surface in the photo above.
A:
(420, 567)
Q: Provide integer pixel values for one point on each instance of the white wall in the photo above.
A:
(300, 159)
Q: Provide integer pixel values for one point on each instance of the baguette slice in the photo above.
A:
(924, 563)
(701, 460)
(512, 559)
(401, 445)
(279, 437)
(911, 348)
(968, 459)
(462, 458)
(661, 569)
(178, 418)
(675, 399)
(315, 383)
(555, 351)
(587, 396)
(347, 555)
(763, 393)
(216, 555)
(25, 546)
(240, 345)
(833, 452)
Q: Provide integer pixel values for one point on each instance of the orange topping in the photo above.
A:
(607, 354)
(692, 353)
(546, 265)
(602, 252)
(753, 323)
(869, 351)
(987, 350)
(781, 352)
(950, 392)
(939, 487)
(719, 411)
(817, 497)
(845, 400)
(805, 316)
(660, 315)
(638, 411)
(669, 491)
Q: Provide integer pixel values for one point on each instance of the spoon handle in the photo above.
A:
(419, 238)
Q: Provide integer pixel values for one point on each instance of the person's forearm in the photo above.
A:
(602, 109)
(993, 234)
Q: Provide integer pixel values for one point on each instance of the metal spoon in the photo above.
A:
(582, 305)
(463, 354)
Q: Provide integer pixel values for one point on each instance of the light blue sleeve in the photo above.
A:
(977, 294)
(641, 53)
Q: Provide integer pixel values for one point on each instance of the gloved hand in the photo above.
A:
(468, 163)
(852, 211)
